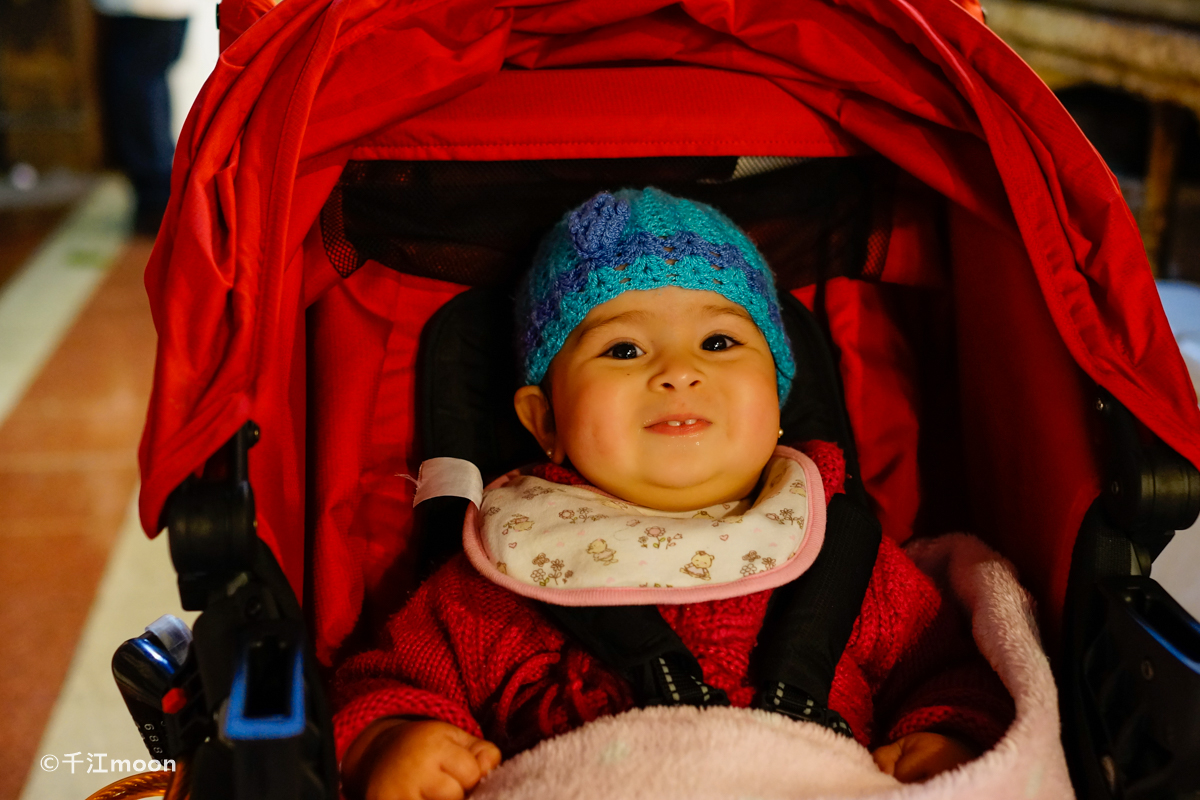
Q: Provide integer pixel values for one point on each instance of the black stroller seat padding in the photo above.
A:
(477, 223)
(466, 377)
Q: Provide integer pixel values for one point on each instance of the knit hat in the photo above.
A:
(637, 240)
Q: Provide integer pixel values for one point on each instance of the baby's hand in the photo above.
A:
(920, 756)
(397, 759)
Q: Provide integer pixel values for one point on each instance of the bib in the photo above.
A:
(578, 546)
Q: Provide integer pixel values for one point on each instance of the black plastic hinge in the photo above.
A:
(210, 521)
(1151, 491)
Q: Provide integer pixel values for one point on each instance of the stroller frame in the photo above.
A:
(1157, 488)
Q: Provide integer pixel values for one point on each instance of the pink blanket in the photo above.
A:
(729, 753)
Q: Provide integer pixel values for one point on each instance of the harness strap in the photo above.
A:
(810, 620)
(637, 642)
(797, 704)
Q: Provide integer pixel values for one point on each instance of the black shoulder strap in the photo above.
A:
(810, 619)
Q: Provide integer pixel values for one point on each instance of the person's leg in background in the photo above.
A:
(137, 52)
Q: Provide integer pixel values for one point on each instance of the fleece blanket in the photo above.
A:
(729, 753)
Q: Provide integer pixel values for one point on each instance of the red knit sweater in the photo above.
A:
(467, 652)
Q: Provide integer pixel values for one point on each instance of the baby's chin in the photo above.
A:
(679, 489)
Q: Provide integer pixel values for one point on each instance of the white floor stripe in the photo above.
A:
(41, 301)
(89, 716)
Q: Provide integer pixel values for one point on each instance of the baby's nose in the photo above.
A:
(679, 373)
(680, 381)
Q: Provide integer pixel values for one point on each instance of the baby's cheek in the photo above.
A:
(599, 426)
(755, 421)
(597, 452)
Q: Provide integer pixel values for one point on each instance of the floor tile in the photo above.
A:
(68, 467)
(89, 716)
(40, 302)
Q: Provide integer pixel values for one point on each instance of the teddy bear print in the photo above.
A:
(601, 552)
(519, 522)
(750, 558)
(534, 491)
(656, 536)
(698, 566)
(799, 488)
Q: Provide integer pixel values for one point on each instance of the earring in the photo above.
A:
(549, 454)
(780, 434)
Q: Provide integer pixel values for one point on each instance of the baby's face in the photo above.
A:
(665, 398)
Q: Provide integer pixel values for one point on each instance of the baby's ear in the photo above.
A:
(534, 411)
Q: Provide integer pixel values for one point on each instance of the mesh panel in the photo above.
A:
(341, 253)
(879, 233)
(477, 222)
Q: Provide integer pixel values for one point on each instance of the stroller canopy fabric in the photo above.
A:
(923, 83)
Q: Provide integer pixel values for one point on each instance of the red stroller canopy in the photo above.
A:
(1047, 265)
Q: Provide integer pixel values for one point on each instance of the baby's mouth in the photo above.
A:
(678, 425)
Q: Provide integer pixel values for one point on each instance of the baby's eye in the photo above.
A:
(718, 342)
(624, 350)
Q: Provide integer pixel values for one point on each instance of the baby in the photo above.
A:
(656, 364)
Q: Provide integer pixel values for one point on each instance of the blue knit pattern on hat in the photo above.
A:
(634, 241)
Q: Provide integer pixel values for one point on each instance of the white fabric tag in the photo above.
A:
(448, 477)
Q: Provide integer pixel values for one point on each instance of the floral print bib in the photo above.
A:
(575, 545)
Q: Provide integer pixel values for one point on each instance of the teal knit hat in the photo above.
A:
(636, 240)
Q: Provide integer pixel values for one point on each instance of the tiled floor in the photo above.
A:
(89, 716)
(67, 453)
(24, 230)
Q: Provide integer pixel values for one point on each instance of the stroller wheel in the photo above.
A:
(164, 784)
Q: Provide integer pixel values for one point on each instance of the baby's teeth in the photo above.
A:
(674, 423)
(690, 422)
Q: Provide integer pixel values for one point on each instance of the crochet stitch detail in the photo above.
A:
(596, 226)
(636, 241)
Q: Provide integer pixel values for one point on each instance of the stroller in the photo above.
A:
(350, 168)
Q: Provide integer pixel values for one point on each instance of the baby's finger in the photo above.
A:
(441, 786)
(460, 764)
(459, 736)
(487, 755)
(913, 769)
(886, 758)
